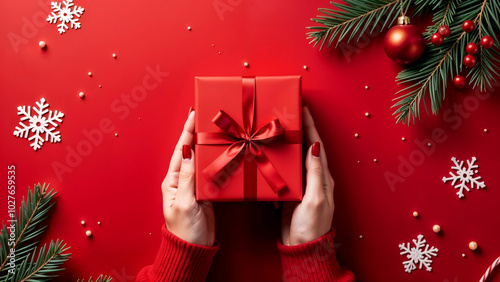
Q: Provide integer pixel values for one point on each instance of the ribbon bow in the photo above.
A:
(244, 140)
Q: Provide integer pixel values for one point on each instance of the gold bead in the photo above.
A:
(90, 74)
(415, 214)
(245, 64)
(82, 222)
(189, 28)
(98, 223)
(81, 94)
(88, 233)
(114, 55)
(375, 160)
(356, 135)
(436, 228)
(367, 114)
(366, 87)
(305, 67)
(116, 134)
(485, 130)
(42, 44)
(404, 139)
(472, 245)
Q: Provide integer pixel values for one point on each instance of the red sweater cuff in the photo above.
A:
(178, 260)
(313, 261)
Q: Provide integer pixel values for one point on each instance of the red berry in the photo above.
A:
(470, 61)
(487, 42)
(472, 48)
(437, 39)
(444, 30)
(468, 26)
(459, 81)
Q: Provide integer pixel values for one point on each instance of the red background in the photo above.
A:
(118, 183)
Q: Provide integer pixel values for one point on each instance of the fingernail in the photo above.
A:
(316, 148)
(186, 152)
(190, 110)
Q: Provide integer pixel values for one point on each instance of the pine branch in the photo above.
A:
(101, 278)
(429, 75)
(31, 213)
(449, 13)
(354, 17)
(44, 267)
(484, 72)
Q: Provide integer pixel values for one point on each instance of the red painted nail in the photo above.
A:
(190, 110)
(186, 152)
(316, 148)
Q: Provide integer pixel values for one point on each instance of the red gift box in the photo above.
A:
(248, 138)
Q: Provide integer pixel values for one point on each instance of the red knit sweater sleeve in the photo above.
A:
(313, 261)
(178, 260)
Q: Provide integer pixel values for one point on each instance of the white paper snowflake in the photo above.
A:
(417, 254)
(464, 176)
(65, 15)
(39, 124)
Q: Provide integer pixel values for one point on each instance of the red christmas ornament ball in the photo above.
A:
(472, 48)
(468, 26)
(459, 81)
(470, 61)
(404, 43)
(437, 39)
(444, 30)
(487, 42)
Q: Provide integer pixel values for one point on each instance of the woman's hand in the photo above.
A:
(184, 217)
(312, 218)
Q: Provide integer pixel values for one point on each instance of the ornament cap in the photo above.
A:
(403, 20)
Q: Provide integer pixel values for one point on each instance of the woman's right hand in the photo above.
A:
(186, 218)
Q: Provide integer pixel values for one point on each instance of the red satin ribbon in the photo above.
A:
(246, 141)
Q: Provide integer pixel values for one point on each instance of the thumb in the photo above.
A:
(185, 188)
(314, 180)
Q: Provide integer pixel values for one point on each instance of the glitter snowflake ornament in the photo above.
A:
(39, 124)
(465, 176)
(418, 254)
(65, 15)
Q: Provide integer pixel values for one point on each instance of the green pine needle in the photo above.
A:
(426, 5)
